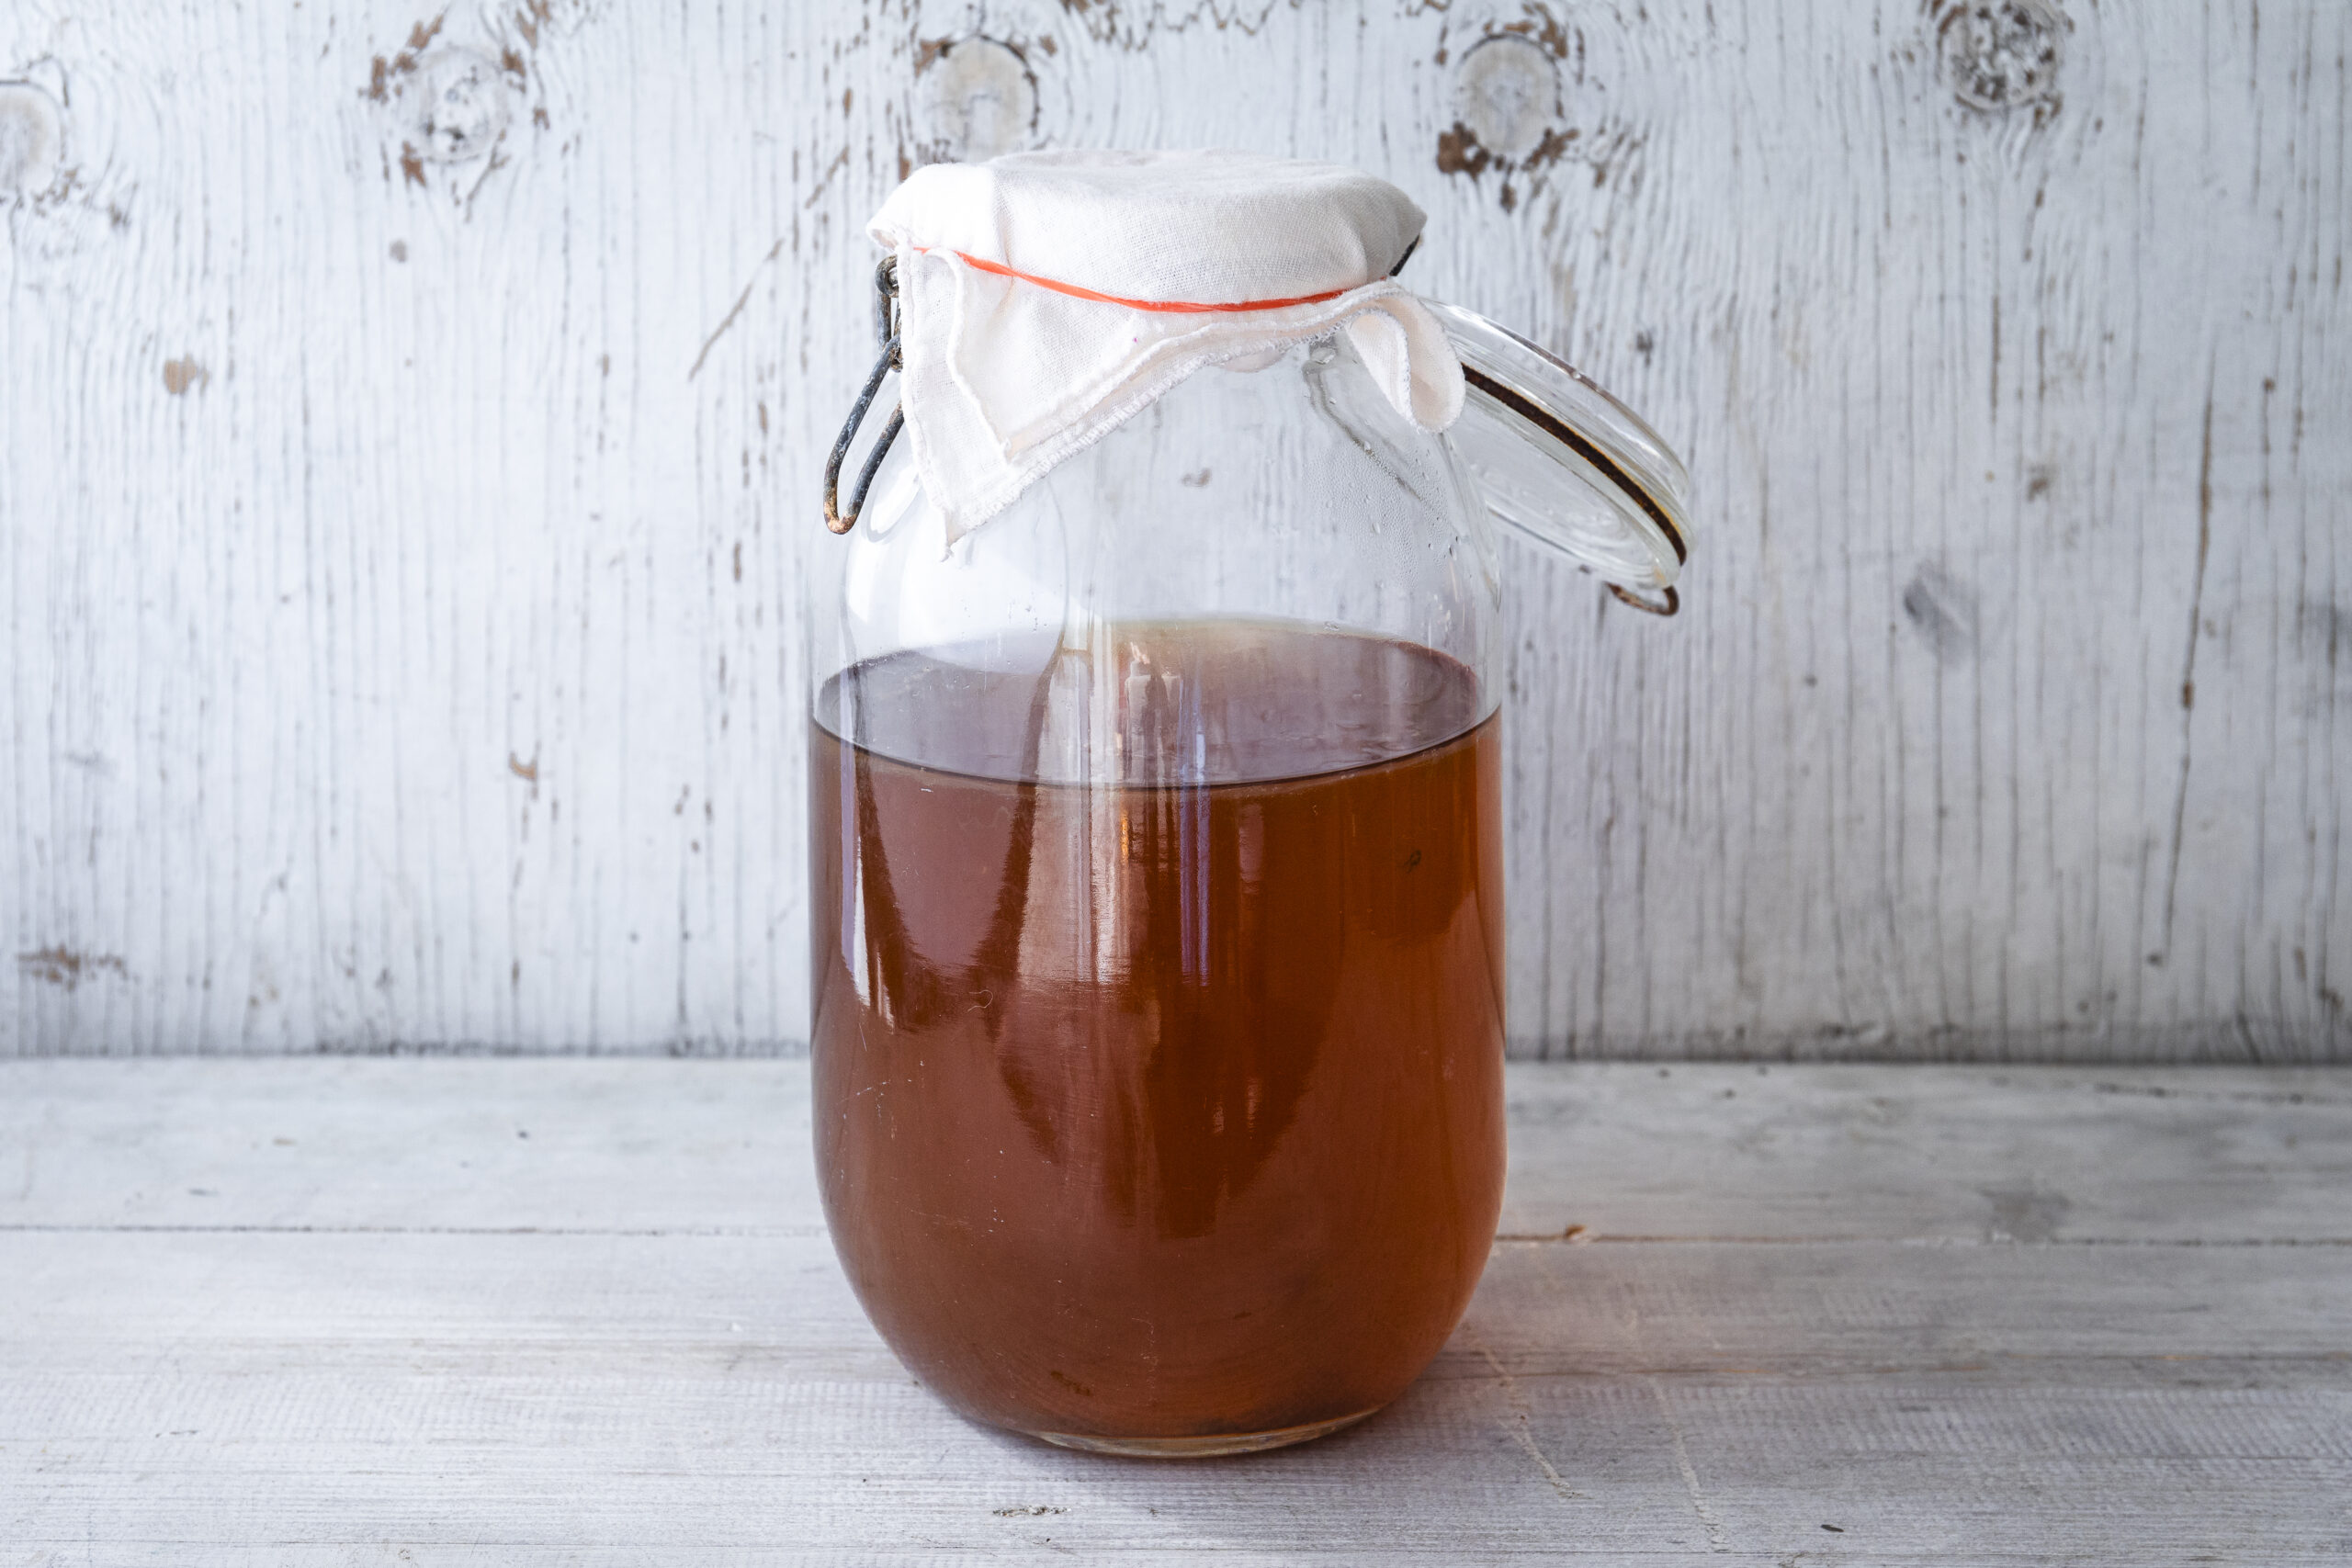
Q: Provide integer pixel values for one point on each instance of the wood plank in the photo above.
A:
(1942, 1154)
(446, 1302)
(404, 561)
(229, 1390)
(620, 1339)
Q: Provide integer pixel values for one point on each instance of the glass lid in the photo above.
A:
(1567, 464)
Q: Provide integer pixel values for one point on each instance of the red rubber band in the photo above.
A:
(1173, 307)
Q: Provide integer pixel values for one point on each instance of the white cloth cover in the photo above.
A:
(1046, 297)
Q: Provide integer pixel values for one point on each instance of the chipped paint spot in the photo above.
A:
(1543, 29)
(382, 72)
(537, 20)
(1512, 89)
(527, 772)
(1458, 153)
(179, 375)
(1108, 22)
(449, 104)
(60, 965)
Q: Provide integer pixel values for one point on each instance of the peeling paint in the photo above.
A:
(1108, 22)
(60, 965)
(1524, 105)
(382, 72)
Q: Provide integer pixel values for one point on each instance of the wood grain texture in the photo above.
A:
(405, 507)
(1930, 1157)
(346, 1311)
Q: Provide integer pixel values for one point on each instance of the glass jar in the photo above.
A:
(1156, 848)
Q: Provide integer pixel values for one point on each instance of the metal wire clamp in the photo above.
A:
(886, 330)
(885, 333)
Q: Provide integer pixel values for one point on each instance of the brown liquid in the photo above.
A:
(1170, 1108)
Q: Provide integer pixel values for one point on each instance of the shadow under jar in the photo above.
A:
(1156, 836)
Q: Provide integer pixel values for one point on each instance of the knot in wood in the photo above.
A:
(456, 105)
(1506, 93)
(32, 138)
(1999, 54)
(976, 98)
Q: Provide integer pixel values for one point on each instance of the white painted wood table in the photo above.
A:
(473, 1312)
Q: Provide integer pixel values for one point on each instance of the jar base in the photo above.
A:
(1202, 1447)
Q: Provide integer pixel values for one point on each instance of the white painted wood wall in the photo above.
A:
(403, 523)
